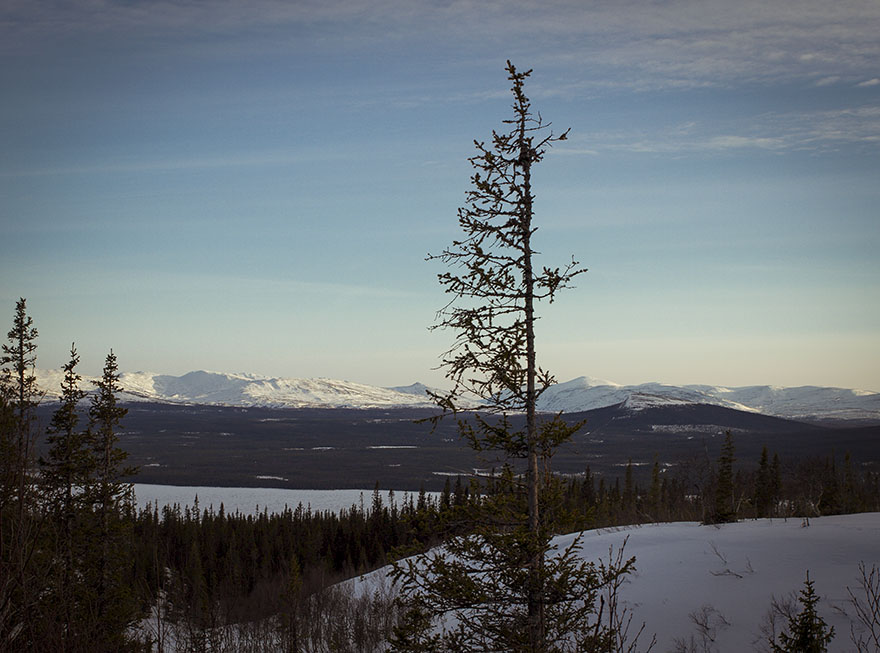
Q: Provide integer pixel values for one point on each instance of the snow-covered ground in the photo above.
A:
(728, 576)
(252, 500)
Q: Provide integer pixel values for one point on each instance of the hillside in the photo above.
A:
(728, 577)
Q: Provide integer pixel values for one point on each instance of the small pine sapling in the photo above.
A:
(807, 631)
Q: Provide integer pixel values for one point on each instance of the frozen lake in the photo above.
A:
(251, 500)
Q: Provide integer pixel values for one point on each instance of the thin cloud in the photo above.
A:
(176, 163)
(740, 142)
(272, 286)
(631, 44)
(780, 132)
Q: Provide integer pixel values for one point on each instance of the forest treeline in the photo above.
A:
(82, 569)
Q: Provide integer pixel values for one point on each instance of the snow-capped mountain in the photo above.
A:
(222, 389)
(417, 389)
(578, 395)
(585, 393)
(805, 402)
(801, 402)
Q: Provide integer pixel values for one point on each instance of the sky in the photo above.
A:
(254, 187)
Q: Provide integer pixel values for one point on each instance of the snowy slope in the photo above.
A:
(732, 573)
(585, 393)
(806, 402)
(801, 402)
(417, 389)
(215, 388)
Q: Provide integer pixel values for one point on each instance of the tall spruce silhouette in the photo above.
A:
(502, 587)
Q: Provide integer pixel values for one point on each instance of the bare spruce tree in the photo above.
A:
(503, 587)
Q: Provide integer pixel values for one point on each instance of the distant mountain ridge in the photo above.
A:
(800, 403)
(577, 395)
(240, 389)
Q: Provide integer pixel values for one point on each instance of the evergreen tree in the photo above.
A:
(655, 493)
(67, 469)
(111, 500)
(21, 582)
(725, 508)
(19, 359)
(105, 416)
(763, 486)
(21, 397)
(850, 502)
(807, 631)
(629, 493)
(508, 589)
(775, 479)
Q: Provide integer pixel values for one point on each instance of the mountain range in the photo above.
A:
(577, 395)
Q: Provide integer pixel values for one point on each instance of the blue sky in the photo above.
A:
(254, 186)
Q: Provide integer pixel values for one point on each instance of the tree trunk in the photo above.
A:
(536, 589)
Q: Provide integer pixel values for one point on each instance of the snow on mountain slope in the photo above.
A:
(417, 389)
(326, 392)
(806, 402)
(577, 395)
(801, 402)
(585, 393)
(215, 388)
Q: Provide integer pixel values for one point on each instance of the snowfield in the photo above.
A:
(728, 576)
